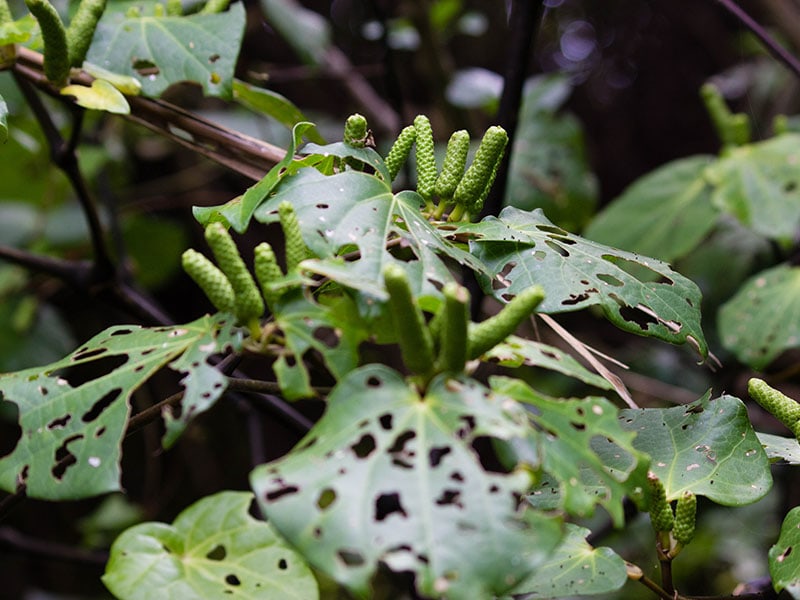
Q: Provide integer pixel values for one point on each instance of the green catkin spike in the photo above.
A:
(267, 271)
(355, 131)
(174, 8)
(249, 305)
(398, 154)
(210, 279)
(474, 186)
(455, 159)
(426, 161)
(661, 516)
(215, 6)
(779, 405)
(81, 29)
(487, 334)
(5, 13)
(54, 35)
(685, 513)
(295, 248)
(416, 343)
(453, 329)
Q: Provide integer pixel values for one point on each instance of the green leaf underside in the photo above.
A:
(780, 449)
(579, 478)
(516, 351)
(161, 51)
(356, 211)
(574, 569)
(664, 214)
(334, 331)
(239, 211)
(367, 155)
(784, 556)
(707, 447)
(214, 549)
(759, 184)
(70, 443)
(522, 249)
(763, 318)
(388, 476)
(272, 104)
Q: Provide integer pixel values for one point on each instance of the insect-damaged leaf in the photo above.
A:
(784, 556)
(523, 249)
(213, 549)
(388, 476)
(70, 443)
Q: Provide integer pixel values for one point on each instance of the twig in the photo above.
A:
(773, 47)
(76, 273)
(15, 540)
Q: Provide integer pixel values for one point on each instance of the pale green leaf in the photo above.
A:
(760, 185)
(102, 95)
(389, 476)
(163, 50)
(664, 214)
(708, 447)
(524, 248)
(780, 449)
(784, 556)
(214, 549)
(124, 83)
(71, 435)
(574, 569)
(763, 318)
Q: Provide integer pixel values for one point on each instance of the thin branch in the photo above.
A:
(773, 47)
(76, 273)
(15, 540)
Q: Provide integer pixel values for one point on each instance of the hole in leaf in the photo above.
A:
(326, 335)
(282, 564)
(637, 317)
(485, 450)
(77, 375)
(449, 497)
(467, 428)
(609, 279)
(436, 454)
(121, 332)
(232, 579)
(144, 67)
(218, 553)
(64, 458)
(351, 558)
(578, 298)
(374, 381)
(638, 269)
(400, 441)
(213, 58)
(456, 476)
(102, 404)
(790, 186)
(386, 421)
(326, 498)
(577, 426)
(551, 229)
(59, 423)
(364, 447)
(86, 354)
(557, 247)
(388, 504)
(785, 554)
(279, 493)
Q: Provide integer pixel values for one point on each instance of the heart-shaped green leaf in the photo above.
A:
(389, 476)
(784, 556)
(214, 549)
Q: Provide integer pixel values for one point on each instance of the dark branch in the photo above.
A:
(13, 539)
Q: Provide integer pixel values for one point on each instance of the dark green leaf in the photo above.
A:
(306, 31)
(214, 549)
(707, 447)
(71, 435)
(162, 50)
(664, 214)
(523, 249)
(763, 318)
(783, 449)
(387, 475)
(784, 556)
(273, 105)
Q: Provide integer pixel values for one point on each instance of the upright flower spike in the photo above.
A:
(452, 328)
(355, 131)
(455, 160)
(487, 334)
(81, 29)
(426, 161)
(249, 305)
(661, 516)
(295, 248)
(778, 404)
(210, 279)
(477, 181)
(54, 35)
(267, 271)
(398, 154)
(416, 344)
(685, 516)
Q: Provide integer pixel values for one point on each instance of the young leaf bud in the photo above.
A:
(355, 131)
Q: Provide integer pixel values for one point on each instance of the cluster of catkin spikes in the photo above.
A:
(229, 286)
(674, 529)
(457, 189)
(449, 340)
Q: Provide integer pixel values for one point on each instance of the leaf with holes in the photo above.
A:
(73, 412)
(664, 214)
(333, 330)
(523, 249)
(760, 185)
(516, 351)
(785, 450)
(213, 549)
(575, 569)
(163, 50)
(784, 557)
(763, 318)
(366, 155)
(389, 476)
(354, 211)
(707, 447)
(566, 435)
